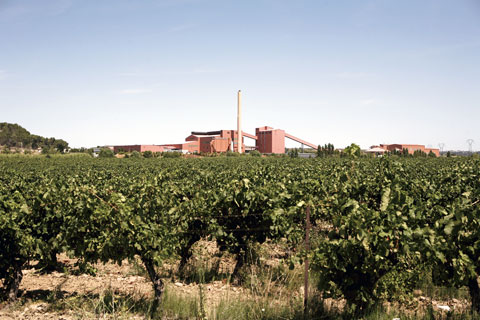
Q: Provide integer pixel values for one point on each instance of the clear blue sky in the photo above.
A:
(149, 72)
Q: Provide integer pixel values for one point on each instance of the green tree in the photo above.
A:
(47, 150)
(13, 135)
(327, 150)
(60, 145)
(320, 152)
(106, 153)
(135, 154)
(148, 154)
(419, 154)
(293, 153)
(352, 151)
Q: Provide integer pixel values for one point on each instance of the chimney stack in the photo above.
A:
(239, 123)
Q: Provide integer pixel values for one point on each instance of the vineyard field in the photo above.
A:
(378, 226)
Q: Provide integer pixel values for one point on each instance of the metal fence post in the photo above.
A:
(307, 248)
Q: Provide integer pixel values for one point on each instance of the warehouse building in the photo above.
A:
(410, 147)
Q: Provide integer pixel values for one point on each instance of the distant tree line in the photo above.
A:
(15, 136)
(416, 154)
(328, 150)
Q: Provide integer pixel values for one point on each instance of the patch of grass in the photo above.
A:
(431, 314)
(177, 307)
(204, 271)
(111, 305)
(269, 309)
(137, 269)
(242, 310)
(209, 273)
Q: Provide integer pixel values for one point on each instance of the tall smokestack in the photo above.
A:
(239, 122)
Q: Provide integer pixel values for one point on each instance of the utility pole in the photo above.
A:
(441, 145)
(470, 143)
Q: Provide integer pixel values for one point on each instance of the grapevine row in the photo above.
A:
(374, 217)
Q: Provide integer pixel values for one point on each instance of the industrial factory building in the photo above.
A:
(411, 148)
(266, 140)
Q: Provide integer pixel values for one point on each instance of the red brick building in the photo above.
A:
(187, 146)
(410, 147)
(218, 141)
(270, 140)
(267, 140)
(138, 147)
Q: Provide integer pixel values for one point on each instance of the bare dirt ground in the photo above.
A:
(111, 277)
(125, 280)
(39, 291)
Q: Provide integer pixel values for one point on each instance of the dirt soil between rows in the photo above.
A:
(122, 280)
(127, 280)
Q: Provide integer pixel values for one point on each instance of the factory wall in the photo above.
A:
(190, 146)
(270, 140)
(139, 148)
